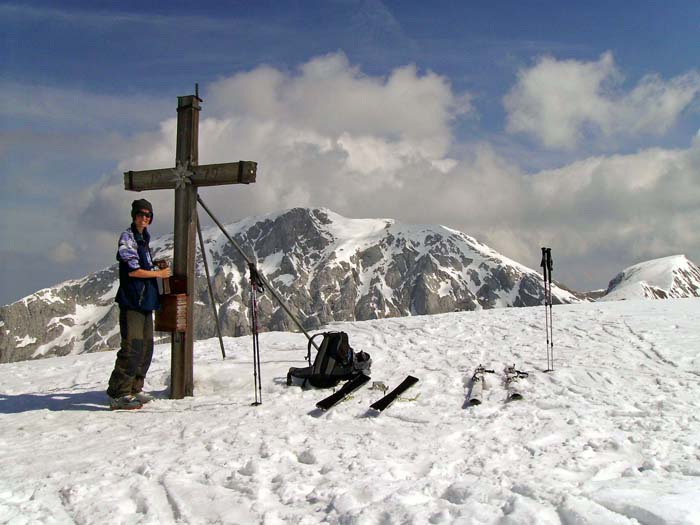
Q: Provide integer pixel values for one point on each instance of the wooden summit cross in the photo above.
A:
(185, 178)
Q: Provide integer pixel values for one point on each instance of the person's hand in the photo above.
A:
(164, 273)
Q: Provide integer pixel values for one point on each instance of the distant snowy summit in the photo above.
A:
(666, 278)
(325, 266)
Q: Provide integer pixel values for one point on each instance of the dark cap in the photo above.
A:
(141, 204)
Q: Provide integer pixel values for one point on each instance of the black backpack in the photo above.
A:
(335, 361)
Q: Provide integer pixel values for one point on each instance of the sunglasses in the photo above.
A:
(145, 214)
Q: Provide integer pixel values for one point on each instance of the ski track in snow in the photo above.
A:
(612, 436)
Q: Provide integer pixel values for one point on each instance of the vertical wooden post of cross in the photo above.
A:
(185, 231)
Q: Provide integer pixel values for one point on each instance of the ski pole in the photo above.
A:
(545, 276)
(550, 266)
(256, 286)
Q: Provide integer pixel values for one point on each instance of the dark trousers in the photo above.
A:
(134, 356)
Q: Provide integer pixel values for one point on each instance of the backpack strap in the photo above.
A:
(308, 347)
(345, 351)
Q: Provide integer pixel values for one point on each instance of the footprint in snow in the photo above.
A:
(307, 457)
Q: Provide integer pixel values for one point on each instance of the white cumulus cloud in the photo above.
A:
(332, 97)
(560, 102)
(324, 134)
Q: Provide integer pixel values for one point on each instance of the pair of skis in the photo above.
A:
(512, 377)
(354, 384)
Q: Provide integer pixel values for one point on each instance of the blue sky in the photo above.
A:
(523, 124)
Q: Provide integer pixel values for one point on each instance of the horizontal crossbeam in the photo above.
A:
(241, 172)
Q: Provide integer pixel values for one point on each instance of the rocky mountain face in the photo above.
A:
(325, 267)
(666, 278)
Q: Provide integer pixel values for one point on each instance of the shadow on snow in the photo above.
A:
(57, 401)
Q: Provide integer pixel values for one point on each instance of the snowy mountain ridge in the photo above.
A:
(326, 267)
(664, 278)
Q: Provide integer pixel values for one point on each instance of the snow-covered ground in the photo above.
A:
(612, 436)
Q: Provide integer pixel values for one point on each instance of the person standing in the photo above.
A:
(138, 298)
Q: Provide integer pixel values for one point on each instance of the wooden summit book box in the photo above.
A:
(172, 316)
